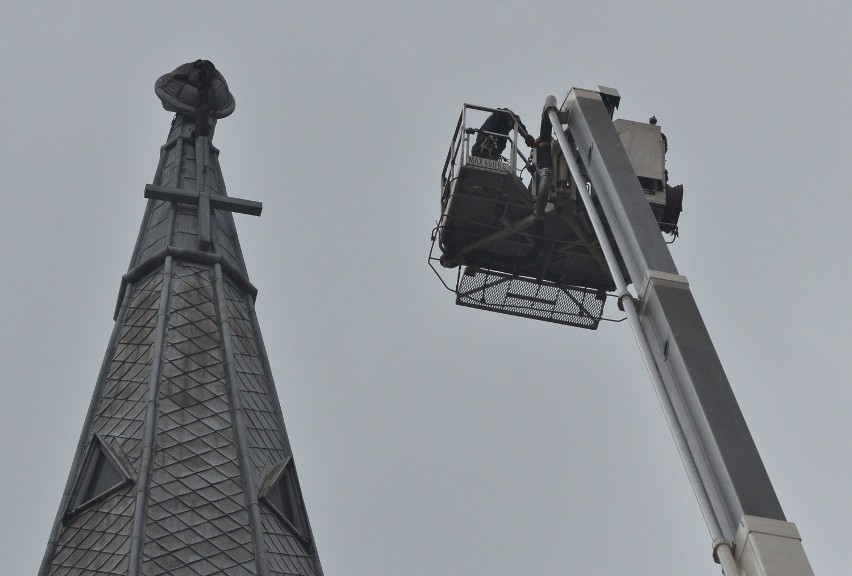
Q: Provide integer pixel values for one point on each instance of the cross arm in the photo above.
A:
(191, 197)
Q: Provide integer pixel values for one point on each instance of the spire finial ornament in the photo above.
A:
(194, 83)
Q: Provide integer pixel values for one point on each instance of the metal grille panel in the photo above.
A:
(529, 298)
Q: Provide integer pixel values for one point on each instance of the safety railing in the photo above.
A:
(460, 152)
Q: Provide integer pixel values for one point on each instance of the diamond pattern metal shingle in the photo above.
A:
(265, 440)
(287, 554)
(196, 498)
(97, 540)
(123, 401)
(226, 237)
(156, 231)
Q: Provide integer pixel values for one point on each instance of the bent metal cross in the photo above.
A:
(184, 465)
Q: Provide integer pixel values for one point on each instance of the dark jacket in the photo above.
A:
(500, 122)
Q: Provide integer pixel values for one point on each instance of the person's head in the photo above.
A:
(505, 118)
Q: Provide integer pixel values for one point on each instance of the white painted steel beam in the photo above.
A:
(730, 470)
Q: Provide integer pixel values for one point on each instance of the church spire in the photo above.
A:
(184, 465)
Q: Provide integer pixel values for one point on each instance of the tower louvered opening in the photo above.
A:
(99, 476)
(284, 497)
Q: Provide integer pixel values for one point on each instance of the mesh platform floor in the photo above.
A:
(529, 298)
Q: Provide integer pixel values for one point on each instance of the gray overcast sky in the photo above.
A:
(433, 439)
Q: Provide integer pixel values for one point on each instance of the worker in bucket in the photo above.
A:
(492, 135)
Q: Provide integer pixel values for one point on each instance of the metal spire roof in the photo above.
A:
(184, 466)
